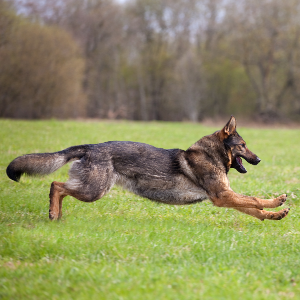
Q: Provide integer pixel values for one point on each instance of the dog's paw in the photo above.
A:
(53, 216)
(280, 214)
(281, 199)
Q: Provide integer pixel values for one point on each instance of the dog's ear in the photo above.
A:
(229, 128)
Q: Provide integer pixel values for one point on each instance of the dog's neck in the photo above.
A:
(218, 155)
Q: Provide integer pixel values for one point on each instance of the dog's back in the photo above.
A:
(138, 160)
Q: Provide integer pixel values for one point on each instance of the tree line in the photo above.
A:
(150, 59)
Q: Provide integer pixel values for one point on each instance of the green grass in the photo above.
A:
(126, 247)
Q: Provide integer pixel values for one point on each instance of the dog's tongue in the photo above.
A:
(240, 162)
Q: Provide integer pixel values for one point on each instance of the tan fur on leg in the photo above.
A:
(57, 193)
(271, 203)
(229, 198)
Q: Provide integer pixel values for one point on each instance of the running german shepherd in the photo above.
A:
(170, 176)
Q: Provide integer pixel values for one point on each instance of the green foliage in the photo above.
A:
(41, 71)
(125, 247)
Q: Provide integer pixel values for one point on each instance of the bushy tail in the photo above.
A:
(43, 163)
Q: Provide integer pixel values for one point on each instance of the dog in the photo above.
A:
(170, 176)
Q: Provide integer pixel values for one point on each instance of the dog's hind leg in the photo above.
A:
(95, 189)
(57, 194)
(59, 190)
(263, 214)
(88, 182)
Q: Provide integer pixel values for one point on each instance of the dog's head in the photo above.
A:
(236, 147)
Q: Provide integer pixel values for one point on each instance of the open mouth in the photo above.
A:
(238, 165)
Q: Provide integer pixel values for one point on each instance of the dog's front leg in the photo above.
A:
(222, 195)
(263, 214)
(229, 198)
(271, 203)
(232, 199)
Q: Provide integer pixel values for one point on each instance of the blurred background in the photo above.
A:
(173, 60)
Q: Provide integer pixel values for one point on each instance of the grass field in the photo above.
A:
(126, 247)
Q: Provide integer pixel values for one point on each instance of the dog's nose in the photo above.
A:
(257, 160)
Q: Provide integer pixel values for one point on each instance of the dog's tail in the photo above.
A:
(43, 163)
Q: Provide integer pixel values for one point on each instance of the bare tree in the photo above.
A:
(266, 40)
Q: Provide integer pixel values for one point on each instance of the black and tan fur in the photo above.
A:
(170, 176)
